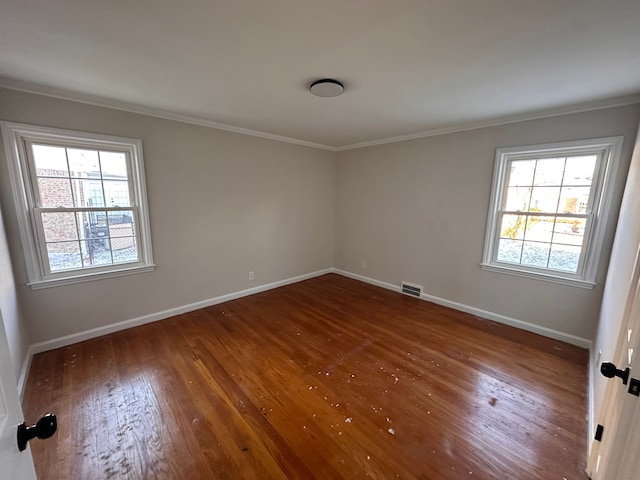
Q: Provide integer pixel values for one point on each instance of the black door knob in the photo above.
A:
(609, 370)
(44, 428)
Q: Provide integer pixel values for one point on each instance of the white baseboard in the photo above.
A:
(153, 317)
(496, 317)
(24, 372)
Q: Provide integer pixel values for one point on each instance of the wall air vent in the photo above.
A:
(411, 289)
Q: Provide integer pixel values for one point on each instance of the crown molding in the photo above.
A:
(495, 122)
(98, 101)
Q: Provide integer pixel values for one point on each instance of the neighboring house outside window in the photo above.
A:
(548, 210)
(81, 204)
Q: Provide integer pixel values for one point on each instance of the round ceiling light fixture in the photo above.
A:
(326, 87)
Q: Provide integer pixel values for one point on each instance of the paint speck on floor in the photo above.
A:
(347, 420)
(391, 431)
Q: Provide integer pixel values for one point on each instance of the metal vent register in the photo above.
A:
(411, 289)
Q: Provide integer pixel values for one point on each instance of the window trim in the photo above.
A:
(609, 148)
(15, 137)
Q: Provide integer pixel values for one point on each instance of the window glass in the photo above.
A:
(542, 218)
(85, 213)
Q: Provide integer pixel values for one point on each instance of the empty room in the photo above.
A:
(288, 240)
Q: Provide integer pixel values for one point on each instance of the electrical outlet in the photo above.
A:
(363, 264)
(252, 275)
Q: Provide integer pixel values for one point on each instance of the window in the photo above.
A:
(81, 204)
(548, 210)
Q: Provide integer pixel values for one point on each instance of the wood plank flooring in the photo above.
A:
(328, 378)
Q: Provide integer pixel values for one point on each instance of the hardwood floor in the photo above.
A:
(325, 379)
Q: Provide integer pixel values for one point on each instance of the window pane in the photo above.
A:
(509, 251)
(512, 226)
(549, 171)
(55, 192)
(89, 193)
(569, 231)
(114, 164)
(579, 170)
(574, 200)
(517, 199)
(59, 227)
(117, 193)
(521, 172)
(95, 225)
(565, 258)
(98, 252)
(125, 249)
(83, 163)
(535, 254)
(539, 229)
(544, 199)
(64, 256)
(50, 161)
(121, 223)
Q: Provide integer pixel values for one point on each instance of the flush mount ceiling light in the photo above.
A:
(326, 87)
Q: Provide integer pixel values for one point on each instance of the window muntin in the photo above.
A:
(546, 211)
(82, 207)
(548, 205)
(82, 204)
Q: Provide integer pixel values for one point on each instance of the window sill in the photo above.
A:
(574, 282)
(88, 277)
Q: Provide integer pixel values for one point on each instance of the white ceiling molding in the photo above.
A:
(555, 112)
(97, 101)
(26, 87)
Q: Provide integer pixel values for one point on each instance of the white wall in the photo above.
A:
(10, 312)
(417, 211)
(221, 204)
(623, 256)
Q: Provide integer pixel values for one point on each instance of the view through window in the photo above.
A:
(81, 204)
(547, 206)
(548, 210)
(84, 205)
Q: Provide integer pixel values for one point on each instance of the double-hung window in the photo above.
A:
(81, 204)
(548, 209)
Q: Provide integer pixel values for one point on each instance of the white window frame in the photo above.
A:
(16, 138)
(608, 150)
